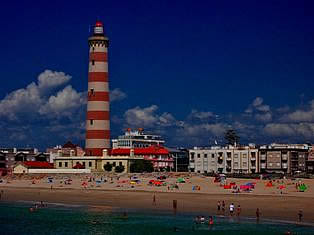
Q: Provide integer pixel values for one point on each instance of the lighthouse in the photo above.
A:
(97, 118)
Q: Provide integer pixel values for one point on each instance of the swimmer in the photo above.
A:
(210, 220)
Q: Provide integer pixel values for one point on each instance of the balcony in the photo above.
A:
(284, 157)
(192, 165)
(263, 157)
(284, 165)
(253, 167)
(263, 165)
(253, 158)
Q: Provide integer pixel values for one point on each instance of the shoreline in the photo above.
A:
(273, 207)
(107, 209)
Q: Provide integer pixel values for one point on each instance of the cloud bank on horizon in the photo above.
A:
(50, 111)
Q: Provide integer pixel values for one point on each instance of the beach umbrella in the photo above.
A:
(180, 180)
(302, 188)
(282, 187)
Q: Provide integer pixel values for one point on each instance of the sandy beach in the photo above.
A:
(118, 193)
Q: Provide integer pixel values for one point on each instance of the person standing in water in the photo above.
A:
(218, 207)
(238, 210)
(258, 214)
(300, 214)
(223, 207)
(231, 209)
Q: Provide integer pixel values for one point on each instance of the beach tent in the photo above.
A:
(269, 184)
(250, 185)
(245, 187)
(180, 180)
(227, 186)
(158, 183)
(302, 188)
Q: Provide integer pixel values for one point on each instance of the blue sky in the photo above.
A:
(188, 70)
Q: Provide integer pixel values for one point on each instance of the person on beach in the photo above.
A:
(300, 214)
(154, 200)
(238, 210)
(258, 214)
(231, 209)
(210, 221)
(218, 206)
(223, 207)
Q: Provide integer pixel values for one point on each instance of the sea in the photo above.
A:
(75, 219)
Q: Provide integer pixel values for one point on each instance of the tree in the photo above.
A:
(119, 169)
(108, 167)
(231, 137)
(139, 166)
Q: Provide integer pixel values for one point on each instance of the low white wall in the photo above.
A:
(58, 171)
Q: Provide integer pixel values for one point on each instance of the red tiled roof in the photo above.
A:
(151, 150)
(35, 164)
(70, 145)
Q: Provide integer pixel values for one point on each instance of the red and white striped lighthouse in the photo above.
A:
(98, 118)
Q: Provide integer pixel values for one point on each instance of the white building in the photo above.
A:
(136, 139)
(224, 159)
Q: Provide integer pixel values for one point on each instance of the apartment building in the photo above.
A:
(224, 159)
(283, 158)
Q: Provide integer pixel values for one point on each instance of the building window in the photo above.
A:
(120, 163)
(114, 164)
(213, 155)
(93, 62)
(205, 155)
(84, 164)
(60, 164)
(91, 122)
(66, 164)
(192, 156)
(198, 155)
(90, 164)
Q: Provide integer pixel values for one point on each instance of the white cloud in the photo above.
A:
(201, 129)
(258, 110)
(263, 108)
(64, 103)
(116, 94)
(26, 102)
(257, 102)
(51, 79)
(264, 117)
(201, 115)
(138, 117)
(305, 130)
(301, 115)
(166, 119)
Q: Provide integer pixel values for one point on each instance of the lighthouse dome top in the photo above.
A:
(98, 23)
(98, 28)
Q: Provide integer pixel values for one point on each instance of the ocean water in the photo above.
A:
(61, 219)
